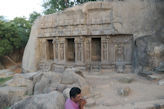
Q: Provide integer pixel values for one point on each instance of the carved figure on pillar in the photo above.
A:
(62, 51)
(119, 53)
(104, 51)
(88, 45)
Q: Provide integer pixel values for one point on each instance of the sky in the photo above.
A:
(19, 8)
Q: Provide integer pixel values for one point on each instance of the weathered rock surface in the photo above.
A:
(19, 81)
(16, 89)
(9, 95)
(4, 101)
(50, 81)
(53, 100)
(152, 50)
(98, 18)
(71, 78)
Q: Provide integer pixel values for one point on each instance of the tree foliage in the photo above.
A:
(13, 35)
(34, 16)
(23, 27)
(52, 6)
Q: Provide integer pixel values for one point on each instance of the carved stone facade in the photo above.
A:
(105, 52)
(95, 36)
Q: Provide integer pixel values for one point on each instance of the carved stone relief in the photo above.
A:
(61, 51)
(119, 53)
(104, 50)
(79, 49)
(88, 50)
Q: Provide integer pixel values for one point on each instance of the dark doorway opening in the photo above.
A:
(50, 53)
(96, 49)
(70, 50)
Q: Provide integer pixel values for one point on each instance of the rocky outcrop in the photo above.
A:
(20, 81)
(149, 53)
(51, 81)
(52, 100)
(25, 89)
(134, 17)
(9, 95)
(16, 89)
(48, 82)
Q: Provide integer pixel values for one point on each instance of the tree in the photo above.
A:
(34, 16)
(23, 27)
(9, 38)
(13, 35)
(52, 6)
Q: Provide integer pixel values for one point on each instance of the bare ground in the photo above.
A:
(105, 88)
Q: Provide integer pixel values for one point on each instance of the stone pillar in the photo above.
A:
(46, 49)
(42, 48)
(88, 50)
(104, 50)
(61, 50)
(79, 50)
(54, 49)
(56, 44)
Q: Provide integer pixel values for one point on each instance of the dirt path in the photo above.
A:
(106, 87)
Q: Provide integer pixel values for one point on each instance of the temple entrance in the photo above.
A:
(70, 50)
(96, 49)
(50, 53)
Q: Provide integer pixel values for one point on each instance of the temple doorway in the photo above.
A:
(70, 50)
(96, 49)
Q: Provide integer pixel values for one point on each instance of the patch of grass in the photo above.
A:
(3, 80)
(7, 107)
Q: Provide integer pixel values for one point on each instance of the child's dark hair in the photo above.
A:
(74, 91)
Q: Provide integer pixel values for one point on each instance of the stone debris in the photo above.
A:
(124, 91)
(126, 80)
(161, 82)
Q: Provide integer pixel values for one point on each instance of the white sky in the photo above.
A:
(19, 8)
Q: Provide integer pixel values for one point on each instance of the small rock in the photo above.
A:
(154, 77)
(66, 93)
(126, 80)
(161, 82)
(160, 68)
(124, 91)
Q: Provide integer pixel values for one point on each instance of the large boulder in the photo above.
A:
(73, 77)
(53, 100)
(19, 81)
(16, 89)
(9, 95)
(4, 101)
(49, 81)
